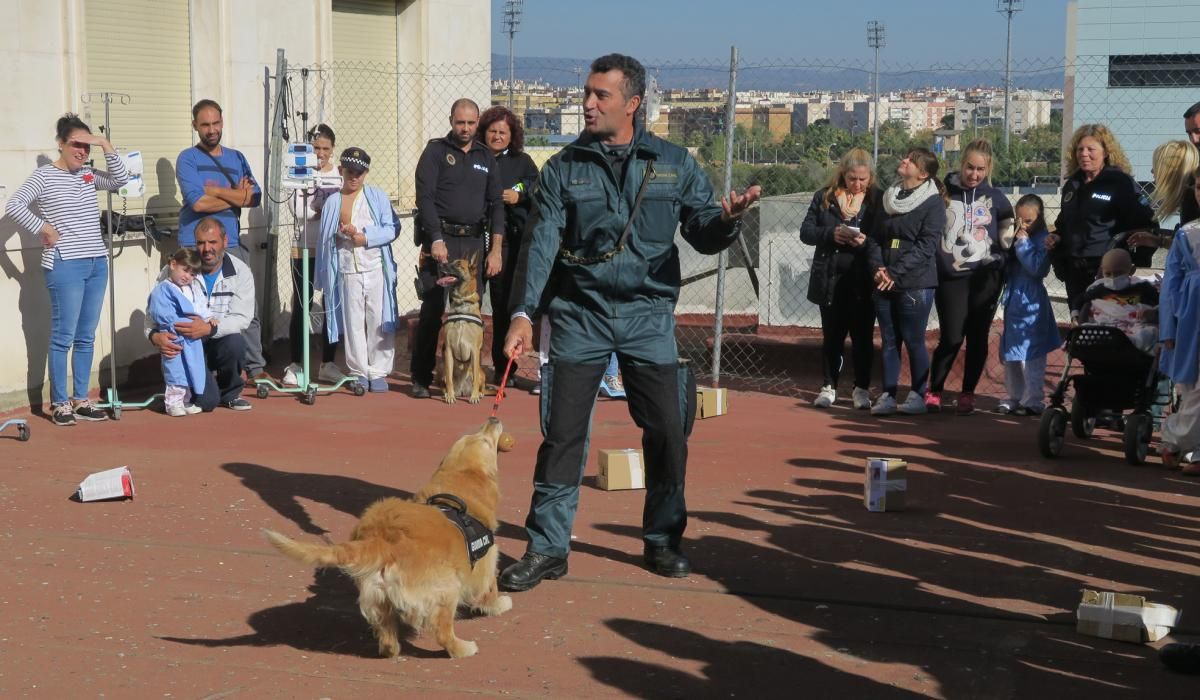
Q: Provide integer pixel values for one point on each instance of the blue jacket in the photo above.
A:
(166, 306)
(1030, 330)
(380, 234)
(1179, 307)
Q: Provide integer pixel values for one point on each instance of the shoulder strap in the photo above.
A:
(220, 167)
(637, 204)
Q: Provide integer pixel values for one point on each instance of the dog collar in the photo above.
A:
(479, 538)
(470, 318)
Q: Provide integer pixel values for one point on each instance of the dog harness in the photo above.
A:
(479, 538)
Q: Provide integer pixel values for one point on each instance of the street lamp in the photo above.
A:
(1008, 7)
(876, 38)
(512, 20)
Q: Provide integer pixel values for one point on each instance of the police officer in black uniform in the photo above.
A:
(458, 203)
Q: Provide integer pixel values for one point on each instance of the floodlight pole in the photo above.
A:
(1008, 7)
(876, 36)
(512, 20)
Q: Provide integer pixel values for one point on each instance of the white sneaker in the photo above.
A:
(330, 372)
(192, 409)
(826, 397)
(291, 375)
(178, 411)
(861, 398)
(914, 404)
(885, 405)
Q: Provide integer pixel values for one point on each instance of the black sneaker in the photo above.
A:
(239, 404)
(84, 410)
(62, 415)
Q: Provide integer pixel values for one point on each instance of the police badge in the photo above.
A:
(450, 158)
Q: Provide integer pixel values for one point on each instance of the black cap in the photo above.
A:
(355, 158)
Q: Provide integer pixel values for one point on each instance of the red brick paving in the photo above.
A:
(798, 590)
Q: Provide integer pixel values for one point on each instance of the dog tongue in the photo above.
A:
(447, 281)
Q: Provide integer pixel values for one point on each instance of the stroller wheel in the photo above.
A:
(1051, 432)
(1081, 424)
(1137, 438)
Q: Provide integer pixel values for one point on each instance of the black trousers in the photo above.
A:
(851, 313)
(223, 357)
(500, 289)
(966, 307)
(433, 305)
(1079, 274)
(296, 328)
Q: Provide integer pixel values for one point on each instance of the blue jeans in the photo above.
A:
(612, 368)
(903, 316)
(76, 296)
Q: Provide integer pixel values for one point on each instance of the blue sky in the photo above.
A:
(918, 31)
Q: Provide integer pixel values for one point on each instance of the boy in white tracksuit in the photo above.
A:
(357, 273)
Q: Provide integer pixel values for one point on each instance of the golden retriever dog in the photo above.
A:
(462, 374)
(410, 561)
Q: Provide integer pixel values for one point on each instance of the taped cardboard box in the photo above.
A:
(621, 469)
(885, 484)
(1123, 617)
(711, 402)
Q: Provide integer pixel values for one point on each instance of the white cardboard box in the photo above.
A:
(885, 484)
(1124, 617)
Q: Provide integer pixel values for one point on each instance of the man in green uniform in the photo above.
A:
(603, 252)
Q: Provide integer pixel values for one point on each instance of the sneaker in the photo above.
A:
(84, 410)
(177, 411)
(419, 391)
(1007, 407)
(861, 398)
(933, 402)
(378, 384)
(536, 389)
(63, 415)
(914, 404)
(825, 397)
(966, 404)
(192, 409)
(885, 405)
(239, 404)
(330, 373)
(612, 387)
(1027, 411)
(291, 375)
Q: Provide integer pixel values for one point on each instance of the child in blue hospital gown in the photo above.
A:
(1179, 332)
(178, 298)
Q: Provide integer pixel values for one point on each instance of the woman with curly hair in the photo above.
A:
(501, 132)
(1100, 200)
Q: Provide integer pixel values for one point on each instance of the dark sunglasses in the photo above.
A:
(80, 145)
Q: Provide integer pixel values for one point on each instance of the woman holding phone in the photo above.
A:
(840, 279)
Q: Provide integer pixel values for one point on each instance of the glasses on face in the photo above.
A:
(80, 145)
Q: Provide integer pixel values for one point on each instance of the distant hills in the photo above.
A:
(798, 75)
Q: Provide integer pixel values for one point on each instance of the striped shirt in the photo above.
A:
(67, 200)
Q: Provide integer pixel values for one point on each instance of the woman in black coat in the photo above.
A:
(501, 132)
(840, 278)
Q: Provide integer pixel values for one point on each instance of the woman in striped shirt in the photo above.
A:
(74, 256)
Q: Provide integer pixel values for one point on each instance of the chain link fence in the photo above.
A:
(792, 120)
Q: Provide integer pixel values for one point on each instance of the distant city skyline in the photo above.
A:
(932, 31)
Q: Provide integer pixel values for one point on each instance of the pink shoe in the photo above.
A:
(966, 404)
(933, 402)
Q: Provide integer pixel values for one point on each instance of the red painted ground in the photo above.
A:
(798, 590)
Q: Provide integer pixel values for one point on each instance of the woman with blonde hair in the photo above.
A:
(1100, 200)
(1172, 167)
(839, 280)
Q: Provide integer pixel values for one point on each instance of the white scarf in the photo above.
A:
(923, 192)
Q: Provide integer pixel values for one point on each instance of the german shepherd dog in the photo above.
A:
(462, 374)
(410, 562)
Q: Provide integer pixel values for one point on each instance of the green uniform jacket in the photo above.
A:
(580, 205)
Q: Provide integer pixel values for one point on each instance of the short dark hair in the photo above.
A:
(205, 104)
(66, 124)
(502, 114)
(322, 131)
(1192, 111)
(188, 257)
(635, 75)
(211, 222)
(463, 102)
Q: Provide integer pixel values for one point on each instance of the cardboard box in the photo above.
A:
(885, 485)
(711, 402)
(101, 486)
(621, 469)
(1124, 617)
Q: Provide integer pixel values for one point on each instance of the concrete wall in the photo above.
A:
(231, 42)
(1142, 118)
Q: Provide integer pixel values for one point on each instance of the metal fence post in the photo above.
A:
(730, 125)
(272, 190)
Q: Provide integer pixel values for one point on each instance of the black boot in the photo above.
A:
(665, 561)
(1181, 658)
(530, 571)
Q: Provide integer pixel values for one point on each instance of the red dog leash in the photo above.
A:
(503, 384)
